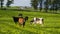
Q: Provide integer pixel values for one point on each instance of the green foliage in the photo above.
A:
(9, 2)
(1, 3)
(7, 26)
(34, 4)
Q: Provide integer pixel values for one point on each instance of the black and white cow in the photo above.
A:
(37, 21)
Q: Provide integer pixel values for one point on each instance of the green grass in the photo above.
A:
(51, 23)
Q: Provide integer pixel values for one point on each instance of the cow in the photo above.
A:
(37, 21)
(16, 18)
(20, 20)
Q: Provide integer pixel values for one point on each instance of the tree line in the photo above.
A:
(9, 2)
(48, 4)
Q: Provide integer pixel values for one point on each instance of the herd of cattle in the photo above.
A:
(21, 20)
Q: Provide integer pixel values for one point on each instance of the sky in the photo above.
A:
(19, 3)
(22, 3)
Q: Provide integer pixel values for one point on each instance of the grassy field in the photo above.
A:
(51, 23)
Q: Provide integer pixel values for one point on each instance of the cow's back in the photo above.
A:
(15, 19)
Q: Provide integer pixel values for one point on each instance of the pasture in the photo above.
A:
(7, 25)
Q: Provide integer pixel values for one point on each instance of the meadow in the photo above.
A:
(7, 25)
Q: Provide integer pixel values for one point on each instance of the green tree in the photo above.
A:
(34, 4)
(47, 3)
(1, 3)
(40, 4)
(9, 2)
(56, 4)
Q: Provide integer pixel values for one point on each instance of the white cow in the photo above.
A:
(37, 21)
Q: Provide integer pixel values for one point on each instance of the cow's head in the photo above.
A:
(20, 15)
(26, 18)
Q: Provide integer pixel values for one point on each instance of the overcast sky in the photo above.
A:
(20, 3)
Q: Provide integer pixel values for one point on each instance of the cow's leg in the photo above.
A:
(42, 22)
(20, 24)
(23, 24)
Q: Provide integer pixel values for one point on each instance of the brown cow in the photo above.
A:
(20, 20)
